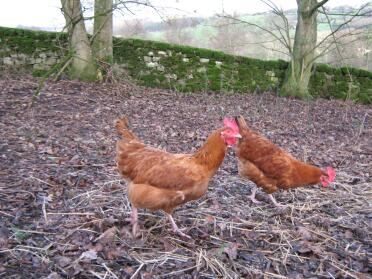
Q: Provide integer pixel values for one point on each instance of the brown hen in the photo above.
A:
(271, 168)
(158, 180)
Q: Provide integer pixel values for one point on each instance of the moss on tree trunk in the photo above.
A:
(83, 66)
(299, 70)
(102, 33)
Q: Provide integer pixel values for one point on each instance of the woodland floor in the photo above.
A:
(63, 205)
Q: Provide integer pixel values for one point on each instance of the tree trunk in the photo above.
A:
(83, 66)
(102, 33)
(299, 70)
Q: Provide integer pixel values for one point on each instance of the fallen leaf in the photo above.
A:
(89, 255)
(348, 234)
(304, 233)
(167, 244)
(231, 250)
(107, 237)
(63, 261)
(209, 219)
(54, 275)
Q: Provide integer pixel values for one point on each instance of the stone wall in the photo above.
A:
(40, 60)
(36, 50)
(184, 68)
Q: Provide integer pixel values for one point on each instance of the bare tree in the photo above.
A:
(83, 66)
(86, 54)
(303, 52)
(176, 32)
(230, 37)
(304, 49)
(131, 28)
(102, 30)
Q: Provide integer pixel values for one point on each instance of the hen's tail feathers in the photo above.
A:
(241, 122)
(122, 129)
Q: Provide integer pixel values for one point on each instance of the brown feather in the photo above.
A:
(270, 167)
(122, 125)
(158, 178)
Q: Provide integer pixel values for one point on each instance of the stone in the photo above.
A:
(186, 60)
(274, 79)
(155, 58)
(181, 82)
(204, 60)
(22, 56)
(151, 64)
(270, 73)
(171, 76)
(160, 68)
(50, 61)
(8, 61)
(19, 62)
(150, 53)
(218, 64)
(162, 53)
(40, 67)
(201, 70)
(147, 58)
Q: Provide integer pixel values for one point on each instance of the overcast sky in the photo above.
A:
(47, 14)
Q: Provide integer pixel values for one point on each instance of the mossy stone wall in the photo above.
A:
(183, 68)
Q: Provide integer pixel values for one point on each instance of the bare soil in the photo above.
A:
(63, 206)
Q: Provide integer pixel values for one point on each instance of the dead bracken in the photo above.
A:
(63, 204)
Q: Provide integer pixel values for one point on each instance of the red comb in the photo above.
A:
(231, 123)
(331, 174)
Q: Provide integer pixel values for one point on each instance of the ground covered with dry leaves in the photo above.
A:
(63, 205)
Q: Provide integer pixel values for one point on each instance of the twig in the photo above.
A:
(43, 208)
(109, 271)
(138, 270)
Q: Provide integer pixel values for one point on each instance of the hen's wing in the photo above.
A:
(253, 173)
(154, 198)
(143, 164)
(268, 158)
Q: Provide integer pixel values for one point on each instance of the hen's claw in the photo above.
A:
(253, 199)
(253, 196)
(276, 203)
(175, 228)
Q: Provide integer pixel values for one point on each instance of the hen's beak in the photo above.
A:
(239, 136)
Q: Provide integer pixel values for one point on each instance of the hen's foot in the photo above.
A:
(253, 199)
(175, 228)
(279, 205)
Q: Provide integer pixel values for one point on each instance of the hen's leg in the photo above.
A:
(134, 221)
(253, 195)
(275, 202)
(175, 227)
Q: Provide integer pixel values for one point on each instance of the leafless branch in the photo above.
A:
(279, 12)
(275, 50)
(337, 46)
(240, 21)
(329, 48)
(317, 6)
(338, 28)
(368, 13)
